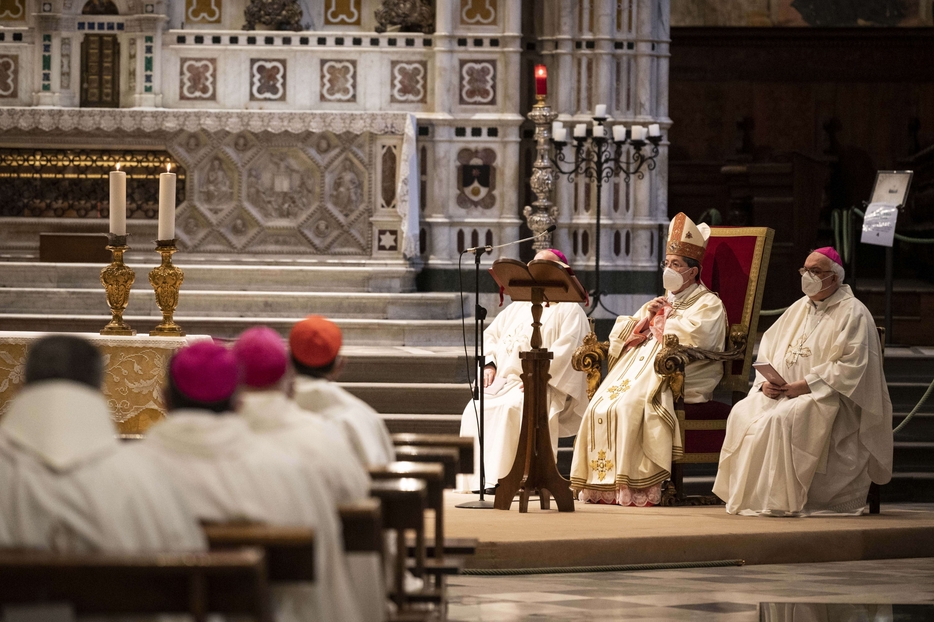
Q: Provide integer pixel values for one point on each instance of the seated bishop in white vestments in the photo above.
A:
(314, 440)
(66, 482)
(228, 473)
(315, 344)
(564, 326)
(630, 432)
(815, 443)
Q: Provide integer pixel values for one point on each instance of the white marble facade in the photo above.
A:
(462, 84)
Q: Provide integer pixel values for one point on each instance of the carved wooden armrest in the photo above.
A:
(674, 357)
(589, 358)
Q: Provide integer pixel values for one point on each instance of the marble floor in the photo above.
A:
(730, 594)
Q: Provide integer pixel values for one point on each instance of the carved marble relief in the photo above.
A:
(197, 79)
(131, 70)
(283, 184)
(9, 76)
(203, 11)
(267, 79)
(409, 82)
(345, 12)
(478, 82)
(13, 10)
(216, 186)
(476, 178)
(338, 80)
(65, 67)
(478, 12)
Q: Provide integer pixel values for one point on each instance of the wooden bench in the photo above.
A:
(290, 551)
(446, 456)
(403, 502)
(362, 526)
(197, 584)
(74, 248)
(463, 445)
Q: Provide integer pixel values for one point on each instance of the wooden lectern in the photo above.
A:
(534, 469)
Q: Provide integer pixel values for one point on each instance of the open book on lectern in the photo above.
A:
(557, 280)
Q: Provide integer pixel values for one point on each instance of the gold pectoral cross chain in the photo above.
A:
(799, 349)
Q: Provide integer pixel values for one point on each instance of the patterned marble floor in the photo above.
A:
(729, 594)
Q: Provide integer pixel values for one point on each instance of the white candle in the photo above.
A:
(599, 130)
(619, 133)
(166, 206)
(654, 130)
(599, 111)
(561, 135)
(638, 132)
(555, 126)
(118, 202)
(580, 130)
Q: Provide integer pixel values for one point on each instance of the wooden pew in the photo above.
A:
(290, 551)
(446, 456)
(463, 445)
(197, 584)
(403, 504)
(362, 524)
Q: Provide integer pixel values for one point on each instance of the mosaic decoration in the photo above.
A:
(346, 12)
(197, 79)
(409, 82)
(387, 240)
(478, 82)
(476, 178)
(9, 76)
(46, 63)
(338, 80)
(478, 12)
(267, 80)
(13, 10)
(64, 79)
(131, 70)
(203, 11)
(147, 64)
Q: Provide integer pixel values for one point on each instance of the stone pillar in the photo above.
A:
(445, 78)
(149, 63)
(48, 57)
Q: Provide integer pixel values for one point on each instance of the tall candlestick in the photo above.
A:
(118, 202)
(166, 205)
(600, 111)
(541, 80)
(654, 130)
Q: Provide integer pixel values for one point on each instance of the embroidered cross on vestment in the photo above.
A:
(601, 465)
(619, 389)
(794, 351)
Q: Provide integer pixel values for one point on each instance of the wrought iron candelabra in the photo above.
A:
(599, 158)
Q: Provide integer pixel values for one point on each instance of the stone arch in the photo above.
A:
(100, 7)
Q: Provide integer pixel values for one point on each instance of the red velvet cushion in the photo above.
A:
(707, 410)
(725, 270)
(705, 441)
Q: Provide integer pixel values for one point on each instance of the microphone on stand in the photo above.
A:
(487, 249)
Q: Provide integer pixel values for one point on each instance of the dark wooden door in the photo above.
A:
(100, 71)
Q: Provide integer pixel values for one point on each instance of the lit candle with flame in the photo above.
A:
(541, 80)
(166, 204)
(118, 202)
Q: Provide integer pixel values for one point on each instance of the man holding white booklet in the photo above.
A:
(816, 427)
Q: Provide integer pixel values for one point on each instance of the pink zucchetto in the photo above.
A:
(205, 372)
(262, 356)
(828, 251)
(559, 255)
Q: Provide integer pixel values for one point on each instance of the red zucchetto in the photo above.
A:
(315, 341)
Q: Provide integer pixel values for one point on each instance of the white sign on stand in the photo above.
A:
(879, 224)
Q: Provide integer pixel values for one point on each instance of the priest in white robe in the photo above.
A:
(815, 442)
(66, 482)
(630, 432)
(228, 473)
(315, 344)
(314, 440)
(564, 326)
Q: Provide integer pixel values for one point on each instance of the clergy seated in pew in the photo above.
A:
(227, 472)
(315, 344)
(66, 482)
(630, 433)
(564, 326)
(816, 428)
(41, 585)
(313, 439)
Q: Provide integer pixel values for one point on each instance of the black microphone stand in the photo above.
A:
(478, 391)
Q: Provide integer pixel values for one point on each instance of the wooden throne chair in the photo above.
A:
(735, 265)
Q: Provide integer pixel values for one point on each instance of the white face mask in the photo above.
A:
(672, 279)
(811, 285)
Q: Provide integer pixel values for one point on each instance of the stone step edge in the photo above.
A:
(232, 319)
(410, 296)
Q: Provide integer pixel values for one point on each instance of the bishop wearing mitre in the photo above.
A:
(630, 433)
(815, 436)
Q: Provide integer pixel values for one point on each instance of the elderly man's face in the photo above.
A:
(819, 265)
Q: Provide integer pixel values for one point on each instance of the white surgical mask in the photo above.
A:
(672, 279)
(811, 285)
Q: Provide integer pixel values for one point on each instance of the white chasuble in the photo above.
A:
(364, 428)
(68, 485)
(228, 473)
(630, 432)
(818, 451)
(564, 326)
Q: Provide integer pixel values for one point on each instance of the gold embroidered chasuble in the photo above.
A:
(630, 432)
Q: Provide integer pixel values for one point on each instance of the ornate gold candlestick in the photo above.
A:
(117, 279)
(166, 279)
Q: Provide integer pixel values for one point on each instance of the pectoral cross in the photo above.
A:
(601, 465)
(796, 350)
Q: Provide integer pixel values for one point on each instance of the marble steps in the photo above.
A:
(365, 331)
(283, 276)
(414, 398)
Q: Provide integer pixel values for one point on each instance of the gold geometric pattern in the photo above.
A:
(619, 389)
(601, 465)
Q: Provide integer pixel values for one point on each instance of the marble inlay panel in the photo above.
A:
(9, 76)
(13, 10)
(346, 12)
(478, 12)
(476, 178)
(203, 11)
(478, 82)
(197, 79)
(409, 82)
(338, 80)
(267, 79)
(386, 239)
(65, 67)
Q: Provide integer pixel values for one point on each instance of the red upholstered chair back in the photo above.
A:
(734, 267)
